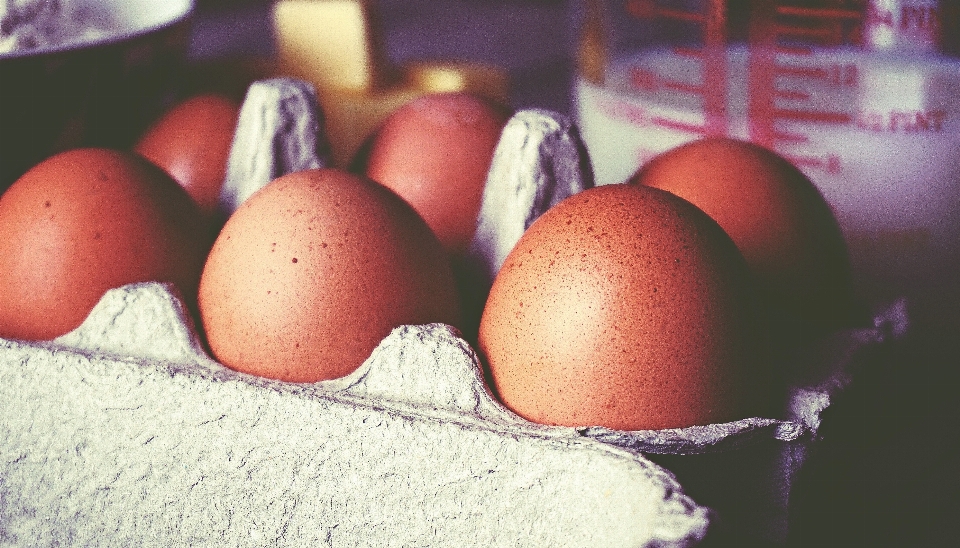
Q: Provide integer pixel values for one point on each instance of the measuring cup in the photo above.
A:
(859, 94)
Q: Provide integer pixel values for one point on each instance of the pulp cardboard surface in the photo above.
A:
(145, 440)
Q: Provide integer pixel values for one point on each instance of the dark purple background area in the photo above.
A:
(528, 38)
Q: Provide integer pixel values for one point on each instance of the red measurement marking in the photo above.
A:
(761, 101)
(717, 126)
(839, 74)
(648, 9)
(920, 17)
(714, 90)
(902, 121)
(822, 13)
(818, 116)
(680, 15)
(623, 111)
(644, 80)
(692, 53)
(911, 17)
(677, 125)
(844, 74)
(794, 50)
(801, 72)
(713, 73)
(675, 85)
(805, 32)
(716, 32)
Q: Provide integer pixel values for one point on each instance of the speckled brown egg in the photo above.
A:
(435, 152)
(629, 308)
(85, 221)
(313, 271)
(779, 221)
(192, 143)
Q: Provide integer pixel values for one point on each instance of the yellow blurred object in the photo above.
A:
(337, 46)
(592, 55)
(331, 43)
(352, 116)
(440, 76)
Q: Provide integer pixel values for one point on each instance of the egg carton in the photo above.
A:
(126, 432)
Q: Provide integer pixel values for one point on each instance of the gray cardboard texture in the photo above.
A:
(539, 160)
(409, 450)
(279, 131)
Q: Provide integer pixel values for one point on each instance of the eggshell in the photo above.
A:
(83, 222)
(313, 271)
(779, 221)
(192, 142)
(629, 308)
(435, 153)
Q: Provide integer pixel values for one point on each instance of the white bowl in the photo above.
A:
(97, 89)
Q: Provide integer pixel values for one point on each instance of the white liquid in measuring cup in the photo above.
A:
(879, 136)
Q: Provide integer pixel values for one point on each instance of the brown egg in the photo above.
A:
(779, 221)
(625, 307)
(192, 143)
(313, 271)
(435, 153)
(83, 222)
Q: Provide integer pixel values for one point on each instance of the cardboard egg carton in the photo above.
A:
(126, 432)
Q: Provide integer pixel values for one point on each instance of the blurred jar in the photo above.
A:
(863, 96)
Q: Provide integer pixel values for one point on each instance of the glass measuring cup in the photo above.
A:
(861, 95)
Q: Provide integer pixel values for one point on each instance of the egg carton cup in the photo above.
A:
(126, 432)
(746, 470)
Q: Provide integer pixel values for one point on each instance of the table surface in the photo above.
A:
(885, 473)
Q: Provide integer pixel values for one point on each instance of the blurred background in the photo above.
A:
(530, 39)
(886, 471)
